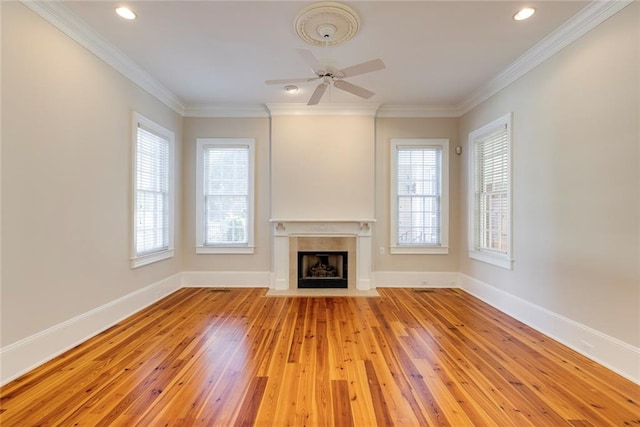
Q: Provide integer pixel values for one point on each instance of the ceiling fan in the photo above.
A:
(330, 77)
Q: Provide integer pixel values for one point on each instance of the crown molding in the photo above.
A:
(60, 17)
(418, 111)
(275, 109)
(259, 110)
(588, 18)
(323, 109)
(584, 21)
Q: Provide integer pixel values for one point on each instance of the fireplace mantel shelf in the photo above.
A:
(288, 227)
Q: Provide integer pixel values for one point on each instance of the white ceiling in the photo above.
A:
(217, 53)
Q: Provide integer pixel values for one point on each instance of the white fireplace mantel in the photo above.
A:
(283, 229)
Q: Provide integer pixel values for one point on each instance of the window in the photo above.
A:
(153, 160)
(419, 196)
(490, 193)
(224, 204)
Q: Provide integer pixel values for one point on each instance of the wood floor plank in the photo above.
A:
(341, 403)
(236, 357)
(249, 410)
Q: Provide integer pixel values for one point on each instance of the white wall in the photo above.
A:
(66, 178)
(576, 181)
(322, 167)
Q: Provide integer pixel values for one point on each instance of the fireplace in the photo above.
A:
(326, 269)
(293, 236)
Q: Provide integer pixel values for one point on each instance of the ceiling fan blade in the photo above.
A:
(317, 94)
(365, 67)
(294, 80)
(312, 61)
(354, 89)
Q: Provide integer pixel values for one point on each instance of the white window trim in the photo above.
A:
(443, 248)
(500, 260)
(149, 258)
(246, 249)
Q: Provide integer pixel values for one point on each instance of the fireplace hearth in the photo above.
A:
(326, 269)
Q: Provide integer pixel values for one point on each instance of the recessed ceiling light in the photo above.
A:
(524, 13)
(125, 12)
(291, 88)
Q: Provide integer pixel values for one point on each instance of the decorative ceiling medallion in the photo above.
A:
(327, 24)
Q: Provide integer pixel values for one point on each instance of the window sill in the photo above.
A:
(230, 250)
(419, 250)
(493, 259)
(142, 260)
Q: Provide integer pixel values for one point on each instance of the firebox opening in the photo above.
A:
(322, 269)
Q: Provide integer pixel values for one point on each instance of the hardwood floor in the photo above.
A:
(235, 357)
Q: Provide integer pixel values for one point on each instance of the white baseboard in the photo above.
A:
(415, 279)
(610, 352)
(24, 355)
(226, 279)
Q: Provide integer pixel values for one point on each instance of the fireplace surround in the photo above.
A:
(350, 236)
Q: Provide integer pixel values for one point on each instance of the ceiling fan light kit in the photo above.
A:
(327, 24)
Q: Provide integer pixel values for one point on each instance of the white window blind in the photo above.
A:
(491, 192)
(419, 199)
(490, 217)
(418, 192)
(226, 189)
(151, 192)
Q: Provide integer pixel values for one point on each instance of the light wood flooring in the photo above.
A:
(237, 357)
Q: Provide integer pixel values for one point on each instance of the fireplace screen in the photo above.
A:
(322, 269)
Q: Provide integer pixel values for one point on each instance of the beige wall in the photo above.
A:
(387, 129)
(257, 128)
(66, 178)
(322, 167)
(576, 181)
